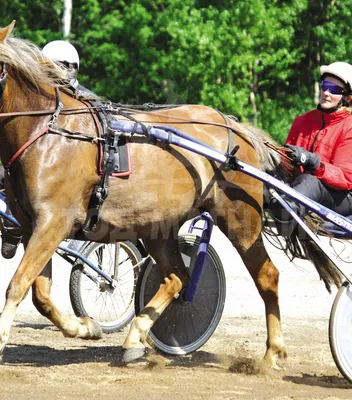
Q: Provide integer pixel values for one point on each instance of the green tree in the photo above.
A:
(39, 22)
(256, 59)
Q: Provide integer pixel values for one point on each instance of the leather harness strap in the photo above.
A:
(230, 131)
(116, 111)
(59, 107)
(25, 146)
(47, 112)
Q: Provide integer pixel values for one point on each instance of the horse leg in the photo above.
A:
(84, 327)
(247, 239)
(37, 254)
(266, 279)
(170, 264)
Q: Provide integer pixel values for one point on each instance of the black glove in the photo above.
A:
(302, 157)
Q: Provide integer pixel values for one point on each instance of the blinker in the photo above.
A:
(3, 77)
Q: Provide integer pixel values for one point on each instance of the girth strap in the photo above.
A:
(101, 190)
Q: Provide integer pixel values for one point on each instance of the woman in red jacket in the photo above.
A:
(321, 148)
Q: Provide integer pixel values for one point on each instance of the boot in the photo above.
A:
(284, 222)
(10, 241)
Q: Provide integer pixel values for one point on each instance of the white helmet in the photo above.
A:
(341, 70)
(60, 50)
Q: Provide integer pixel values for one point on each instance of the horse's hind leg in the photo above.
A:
(172, 270)
(246, 237)
(84, 327)
(266, 278)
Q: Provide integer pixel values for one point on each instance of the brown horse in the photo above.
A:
(49, 186)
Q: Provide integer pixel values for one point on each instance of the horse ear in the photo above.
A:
(5, 32)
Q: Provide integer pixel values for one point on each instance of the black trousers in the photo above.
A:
(337, 200)
(314, 189)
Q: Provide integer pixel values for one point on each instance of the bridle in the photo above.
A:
(54, 115)
(50, 127)
(3, 77)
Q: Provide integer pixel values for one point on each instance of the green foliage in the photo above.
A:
(256, 59)
(39, 22)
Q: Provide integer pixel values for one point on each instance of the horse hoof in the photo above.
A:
(96, 330)
(133, 354)
(93, 329)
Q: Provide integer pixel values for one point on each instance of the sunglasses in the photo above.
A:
(68, 65)
(332, 88)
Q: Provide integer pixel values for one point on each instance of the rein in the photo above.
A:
(178, 120)
(47, 112)
(110, 107)
(119, 110)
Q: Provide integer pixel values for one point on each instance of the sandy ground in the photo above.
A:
(39, 363)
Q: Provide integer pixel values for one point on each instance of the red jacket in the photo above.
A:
(330, 136)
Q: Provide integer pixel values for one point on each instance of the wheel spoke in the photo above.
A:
(112, 308)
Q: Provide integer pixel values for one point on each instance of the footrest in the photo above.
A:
(336, 230)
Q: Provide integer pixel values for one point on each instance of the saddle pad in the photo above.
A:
(122, 161)
(122, 166)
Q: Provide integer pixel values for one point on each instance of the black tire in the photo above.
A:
(340, 337)
(185, 326)
(91, 296)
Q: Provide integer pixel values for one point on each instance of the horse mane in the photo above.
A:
(29, 65)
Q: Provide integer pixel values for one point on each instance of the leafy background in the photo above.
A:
(256, 59)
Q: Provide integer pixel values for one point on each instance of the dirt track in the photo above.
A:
(39, 363)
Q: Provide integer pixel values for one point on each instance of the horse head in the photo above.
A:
(4, 33)
(28, 103)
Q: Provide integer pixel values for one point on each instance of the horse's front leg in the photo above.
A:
(70, 326)
(41, 246)
(166, 254)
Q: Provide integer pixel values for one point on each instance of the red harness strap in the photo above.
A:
(24, 147)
